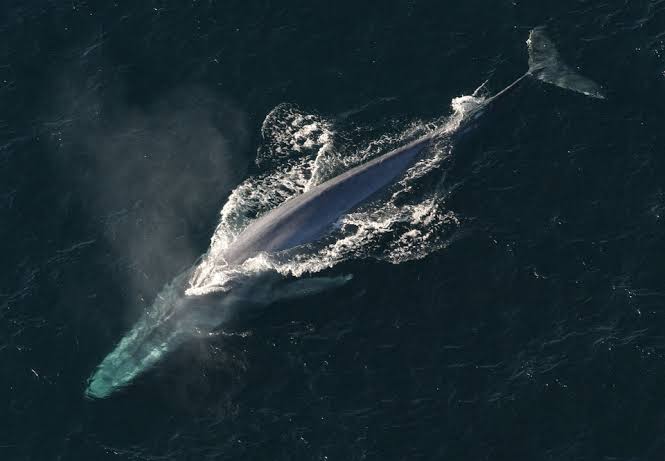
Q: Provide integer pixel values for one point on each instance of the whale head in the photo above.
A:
(172, 319)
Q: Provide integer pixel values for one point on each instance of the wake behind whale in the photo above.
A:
(308, 211)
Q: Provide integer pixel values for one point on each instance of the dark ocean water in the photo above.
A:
(537, 333)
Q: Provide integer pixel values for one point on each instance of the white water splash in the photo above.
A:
(302, 150)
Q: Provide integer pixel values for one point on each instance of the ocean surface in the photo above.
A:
(505, 300)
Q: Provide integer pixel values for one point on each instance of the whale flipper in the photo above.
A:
(546, 65)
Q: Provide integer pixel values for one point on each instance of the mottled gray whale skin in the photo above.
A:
(307, 217)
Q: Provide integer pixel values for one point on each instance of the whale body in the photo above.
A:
(175, 316)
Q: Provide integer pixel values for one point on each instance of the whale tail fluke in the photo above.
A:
(546, 65)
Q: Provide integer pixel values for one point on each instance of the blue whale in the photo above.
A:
(174, 317)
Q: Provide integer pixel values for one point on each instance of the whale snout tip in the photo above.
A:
(99, 386)
(102, 383)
